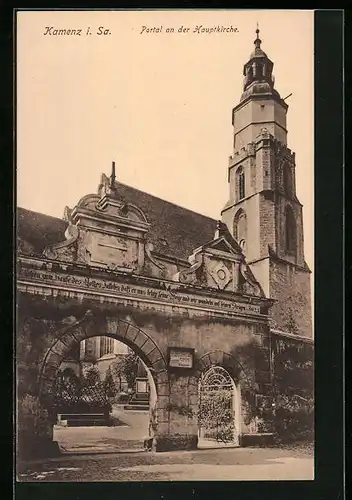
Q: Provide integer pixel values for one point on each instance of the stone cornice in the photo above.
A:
(107, 218)
(273, 256)
(259, 97)
(47, 278)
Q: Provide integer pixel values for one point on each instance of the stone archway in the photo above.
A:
(120, 329)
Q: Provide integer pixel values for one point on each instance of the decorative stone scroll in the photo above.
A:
(190, 275)
(149, 247)
(251, 284)
(64, 249)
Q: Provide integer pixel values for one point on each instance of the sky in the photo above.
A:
(157, 103)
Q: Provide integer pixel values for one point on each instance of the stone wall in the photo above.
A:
(267, 224)
(253, 115)
(290, 287)
(43, 343)
(251, 208)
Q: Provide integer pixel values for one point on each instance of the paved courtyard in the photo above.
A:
(227, 464)
(128, 435)
(116, 454)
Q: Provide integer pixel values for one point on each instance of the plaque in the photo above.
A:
(142, 386)
(181, 357)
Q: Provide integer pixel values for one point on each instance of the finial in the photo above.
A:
(257, 41)
(113, 175)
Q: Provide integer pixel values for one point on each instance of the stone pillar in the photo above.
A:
(82, 350)
(34, 430)
(177, 414)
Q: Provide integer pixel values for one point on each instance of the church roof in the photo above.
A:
(39, 230)
(175, 231)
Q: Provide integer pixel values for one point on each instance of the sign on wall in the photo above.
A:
(181, 357)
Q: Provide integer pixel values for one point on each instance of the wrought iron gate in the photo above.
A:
(216, 406)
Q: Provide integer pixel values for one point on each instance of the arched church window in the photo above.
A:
(287, 178)
(240, 229)
(290, 230)
(240, 183)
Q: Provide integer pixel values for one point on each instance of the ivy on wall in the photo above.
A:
(183, 410)
(294, 388)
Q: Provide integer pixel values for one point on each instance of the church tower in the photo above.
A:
(263, 212)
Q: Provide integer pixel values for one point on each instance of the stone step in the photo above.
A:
(83, 419)
(86, 423)
(141, 395)
(139, 401)
(136, 407)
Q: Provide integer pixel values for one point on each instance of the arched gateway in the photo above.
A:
(120, 329)
(111, 276)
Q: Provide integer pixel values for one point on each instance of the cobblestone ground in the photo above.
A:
(213, 464)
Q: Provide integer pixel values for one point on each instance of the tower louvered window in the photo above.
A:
(290, 230)
(240, 229)
(240, 183)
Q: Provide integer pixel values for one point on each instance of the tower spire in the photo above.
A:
(257, 41)
(258, 72)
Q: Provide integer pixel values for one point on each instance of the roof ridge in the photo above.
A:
(40, 213)
(135, 189)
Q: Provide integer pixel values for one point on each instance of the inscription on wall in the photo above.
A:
(144, 293)
(180, 358)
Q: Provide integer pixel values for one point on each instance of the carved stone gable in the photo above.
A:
(103, 232)
(220, 264)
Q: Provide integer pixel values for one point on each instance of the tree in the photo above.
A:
(126, 366)
(92, 376)
(109, 383)
(294, 380)
(294, 369)
(130, 368)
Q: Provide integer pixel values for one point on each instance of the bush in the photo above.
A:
(79, 396)
(294, 418)
(122, 397)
